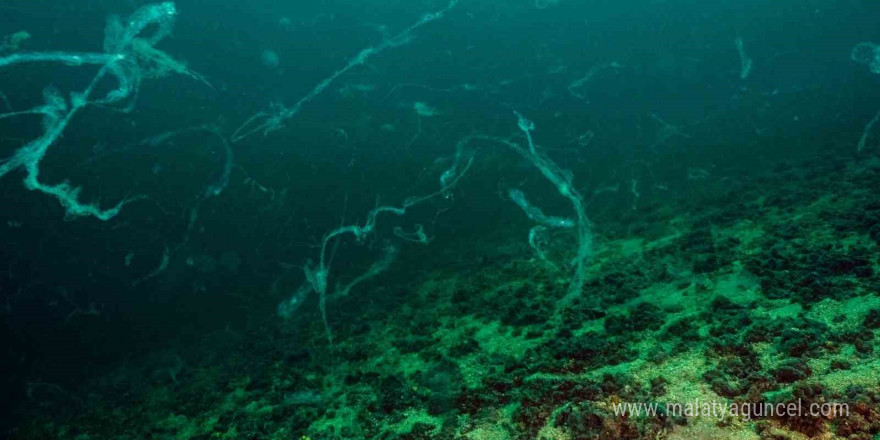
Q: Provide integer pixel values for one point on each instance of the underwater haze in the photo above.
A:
(440, 219)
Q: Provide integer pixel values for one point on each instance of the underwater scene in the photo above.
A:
(440, 219)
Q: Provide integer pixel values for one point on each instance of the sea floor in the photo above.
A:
(759, 292)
